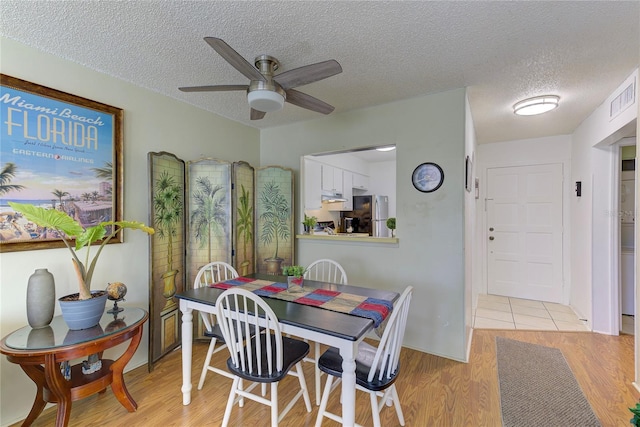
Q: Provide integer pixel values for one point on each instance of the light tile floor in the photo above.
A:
(497, 312)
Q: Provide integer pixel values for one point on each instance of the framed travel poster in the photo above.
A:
(57, 151)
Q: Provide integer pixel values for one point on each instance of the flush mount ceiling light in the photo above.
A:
(536, 105)
(386, 148)
(265, 100)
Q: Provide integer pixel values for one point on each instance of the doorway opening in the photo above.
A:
(627, 214)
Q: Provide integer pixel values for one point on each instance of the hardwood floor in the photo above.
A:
(435, 391)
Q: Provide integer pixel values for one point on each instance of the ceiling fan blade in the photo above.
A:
(256, 114)
(235, 59)
(309, 102)
(308, 74)
(216, 88)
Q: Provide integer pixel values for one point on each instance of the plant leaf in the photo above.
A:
(134, 225)
(91, 234)
(50, 218)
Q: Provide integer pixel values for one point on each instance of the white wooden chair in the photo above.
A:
(326, 270)
(323, 270)
(376, 368)
(213, 272)
(265, 358)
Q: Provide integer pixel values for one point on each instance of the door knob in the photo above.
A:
(491, 237)
(491, 229)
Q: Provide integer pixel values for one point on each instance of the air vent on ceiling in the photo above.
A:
(623, 100)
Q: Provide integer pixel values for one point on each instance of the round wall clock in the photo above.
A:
(427, 177)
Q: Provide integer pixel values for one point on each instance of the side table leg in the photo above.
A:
(36, 373)
(187, 342)
(117, 369)
(59, 387)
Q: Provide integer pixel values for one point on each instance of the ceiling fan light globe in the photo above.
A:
(265, 100)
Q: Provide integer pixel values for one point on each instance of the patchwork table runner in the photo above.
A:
(371, 308)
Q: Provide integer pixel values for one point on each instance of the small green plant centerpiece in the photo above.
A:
(295, 277)
(391, 225)
(309, 223)
(69, 230)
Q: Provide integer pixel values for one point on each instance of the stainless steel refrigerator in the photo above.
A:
(370, 215)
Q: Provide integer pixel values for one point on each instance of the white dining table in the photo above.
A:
(340, 330)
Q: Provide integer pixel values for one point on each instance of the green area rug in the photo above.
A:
(537, 388)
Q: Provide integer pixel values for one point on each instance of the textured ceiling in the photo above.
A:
(502, 51)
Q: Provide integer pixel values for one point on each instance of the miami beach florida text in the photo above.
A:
(57, 128)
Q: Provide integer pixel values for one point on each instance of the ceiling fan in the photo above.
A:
(268, 92)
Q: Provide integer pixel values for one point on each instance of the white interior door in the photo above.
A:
(524, 220)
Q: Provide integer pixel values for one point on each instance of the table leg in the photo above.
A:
(117, 369)
(36, 373)
(59, 387)
(348, 352)
(187, 342)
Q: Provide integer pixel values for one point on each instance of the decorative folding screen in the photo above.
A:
(211, 210)
(243, 218)
(167, 246)
(274, 219)
(209, 214)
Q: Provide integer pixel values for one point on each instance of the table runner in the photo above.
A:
(371, 308)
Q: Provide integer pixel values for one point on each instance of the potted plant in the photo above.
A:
(275, 223)
(70, 229)
(309, 223)
(295, 276)
(391, 225)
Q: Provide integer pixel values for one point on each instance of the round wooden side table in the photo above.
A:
(40, 352)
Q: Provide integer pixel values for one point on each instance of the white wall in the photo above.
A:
(470, 224)
(592, 255)
(151, 123)
(555, 149)
(430, 254)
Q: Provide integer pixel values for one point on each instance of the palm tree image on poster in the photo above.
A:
(59, 195)
(168, 207)
(274, 221)
(7, 174)
(105, 172)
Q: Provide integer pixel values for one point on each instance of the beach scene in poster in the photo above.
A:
(56, 155)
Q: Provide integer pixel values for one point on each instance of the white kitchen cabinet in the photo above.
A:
(312, 184)
(331, 179)
(347, 183)
(347, 179)
(360, 182)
